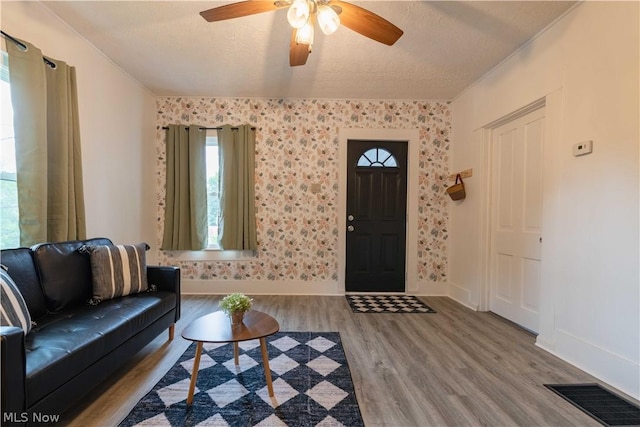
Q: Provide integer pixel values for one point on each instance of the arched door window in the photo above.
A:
(377, 157)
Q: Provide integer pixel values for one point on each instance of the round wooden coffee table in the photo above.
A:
(216, 328)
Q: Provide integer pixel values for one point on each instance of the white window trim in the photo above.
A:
(214, 253)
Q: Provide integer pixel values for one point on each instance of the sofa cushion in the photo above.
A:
(13, 309)
(22, 270)
(66, 343)
(65, 273)
(118, 270)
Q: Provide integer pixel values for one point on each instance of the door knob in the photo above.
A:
(350, 217)
(350, 228)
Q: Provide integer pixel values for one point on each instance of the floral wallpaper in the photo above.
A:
(296, 146)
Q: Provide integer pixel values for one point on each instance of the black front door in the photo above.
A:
(376, 216)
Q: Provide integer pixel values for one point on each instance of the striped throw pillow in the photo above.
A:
(118, 270)
(14, 308)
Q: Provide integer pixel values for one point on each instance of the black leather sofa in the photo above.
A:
(74, 345)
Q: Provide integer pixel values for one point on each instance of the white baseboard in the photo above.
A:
(433, 289)
(461, 296)
(260, 287)
(546, 344)
(287, 287)
(612, 368)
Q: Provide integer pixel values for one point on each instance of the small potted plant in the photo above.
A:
(235, 305)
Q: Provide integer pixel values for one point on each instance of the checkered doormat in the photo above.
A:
(311, 382)
(387, 304)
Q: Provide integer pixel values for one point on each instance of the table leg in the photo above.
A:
(235, 353)
(194, 374)
(265, 363)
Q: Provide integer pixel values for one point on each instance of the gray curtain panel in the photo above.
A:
(185, 214)
(237, 199)
(48, 155)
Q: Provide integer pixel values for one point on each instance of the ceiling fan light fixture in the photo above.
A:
(328, 19)
(298, 13)
(305, 34)
(302, 16)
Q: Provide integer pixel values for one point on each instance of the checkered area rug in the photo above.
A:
(387, 304)
(311, 382)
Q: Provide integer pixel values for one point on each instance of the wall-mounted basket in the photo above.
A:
(456, 191)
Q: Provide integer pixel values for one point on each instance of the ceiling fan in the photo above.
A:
(303, 14)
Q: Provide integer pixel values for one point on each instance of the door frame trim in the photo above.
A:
(411, 137)
(488, 208)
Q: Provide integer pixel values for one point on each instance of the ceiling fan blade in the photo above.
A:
(243, 8)
(298, 53)
(367, 23)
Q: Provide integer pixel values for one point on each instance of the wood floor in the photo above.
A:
(456, 367)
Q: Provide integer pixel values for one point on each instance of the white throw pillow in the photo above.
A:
(14, 308)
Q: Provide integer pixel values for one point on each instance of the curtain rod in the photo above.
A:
(24, 48)
(218, 128)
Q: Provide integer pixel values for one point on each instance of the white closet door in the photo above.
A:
(516, 202)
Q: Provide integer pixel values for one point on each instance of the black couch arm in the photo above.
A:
(12, 374)
(166, 279)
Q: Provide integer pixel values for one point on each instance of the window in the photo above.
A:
(9, 225)
(213, 252)
(213, 188)
(377, 157)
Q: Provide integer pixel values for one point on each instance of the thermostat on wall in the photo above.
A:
(582, 148)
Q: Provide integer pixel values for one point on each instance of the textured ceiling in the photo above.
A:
(171, 50)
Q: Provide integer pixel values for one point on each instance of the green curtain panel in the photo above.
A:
(48, 155)
(185, 214)
(237, 199)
